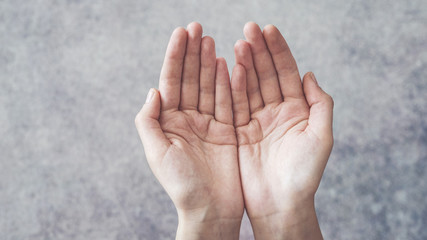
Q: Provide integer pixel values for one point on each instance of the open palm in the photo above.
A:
(283, 126)
(188, 133)
(261, 143)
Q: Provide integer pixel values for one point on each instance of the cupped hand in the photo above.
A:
(189, 139)
(284, 132)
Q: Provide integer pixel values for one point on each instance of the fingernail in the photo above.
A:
(314, 78)
(149, 96)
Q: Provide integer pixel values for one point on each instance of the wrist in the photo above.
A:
(295, 220)
(201, 225)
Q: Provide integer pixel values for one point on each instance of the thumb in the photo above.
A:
(321, 107)
(147, 123)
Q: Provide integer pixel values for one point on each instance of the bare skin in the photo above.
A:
(189, 139)
(261, 143)
(284, 132)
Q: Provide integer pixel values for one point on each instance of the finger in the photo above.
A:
(264, 67)
(284, 62)
(243, 54)
(223, 108)
(191, 71)
(207, 77)
(240, 99)
(321, 108)
(152, 136)
(170, 76)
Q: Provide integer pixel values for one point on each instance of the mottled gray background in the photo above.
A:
(73, 74)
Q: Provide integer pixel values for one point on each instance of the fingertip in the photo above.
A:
(309, 86)
(307, 75)
(149, 96)
(156, 92)
(150, 109)
(208, 40)
(194, 24)
(154, 98)
(313, 78)
(177, 41)
(250, 27)
(271, 33)
(309, 78)
(314, 93)
(273, 37)
(240, 46)
(208, 46)
(179, 31)
(195, 28)
(243, 54)
(270, 28)
(221, 63)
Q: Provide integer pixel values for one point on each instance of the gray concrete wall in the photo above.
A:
(73, 74)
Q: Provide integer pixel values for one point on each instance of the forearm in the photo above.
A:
(297, 221)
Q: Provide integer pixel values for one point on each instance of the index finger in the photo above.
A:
(171, 74)
(286, 67)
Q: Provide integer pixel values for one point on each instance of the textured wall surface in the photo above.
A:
(73, 74)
